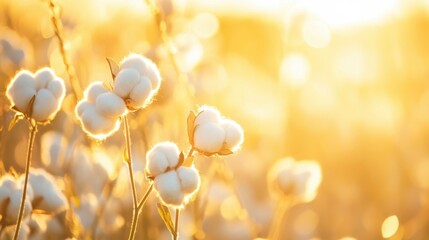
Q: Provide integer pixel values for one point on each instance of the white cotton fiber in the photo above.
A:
(234, 135)
(189, 179)
(141, 92)
(209, 137)
(110, 105)
(145, 67)
(162, 156)
(125, 81)
(168, 187)
(93, 90)
(24, 79)
(20, 97)
(96, 124)
(49, 92)
(44, 105)
(14, 204)
(156, 162)
(207, 114)
(55, 150)
(50, 198)
(57, 87)
(43, 77)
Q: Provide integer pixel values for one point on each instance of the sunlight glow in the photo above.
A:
(390, 226)
(294, 69)
(342, 13)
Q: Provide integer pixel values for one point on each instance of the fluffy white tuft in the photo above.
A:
(125, 81)
(14, 204)
(209, 137)
(93, 90)
(169, 190)
(44, 105)
(207, 114)
(45, 190)
(162, 156)
(110, 105)
(43, 77)
(145, 67)
(49, 92)
(234, 135)
(156, 163)
(189, 179)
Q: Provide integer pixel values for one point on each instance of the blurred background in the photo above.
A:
(341, 82)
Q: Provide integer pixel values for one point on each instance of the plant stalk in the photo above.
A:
(33, 131)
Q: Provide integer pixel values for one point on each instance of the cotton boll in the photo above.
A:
(20, 97)
(209, 137)
(110, 105)
(125, 81)
(140, 93)
(45, 105)
(189, 179)
(145, 67)
(93, 90)
(234, 135)
(307, 177)
(54, 151)
(207, 114)
(43, 77)
(156, 162)
(56, 86)
(168, 187)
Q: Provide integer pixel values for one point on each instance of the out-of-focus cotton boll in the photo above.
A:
(14, 204)
(55, 152)
(137, 81)
(161, 157)
(99, 111)
(215, 134)
(299, 180)
(168, 187)
(10, 198)
(46, 194)
(48, 90)
(86, 210)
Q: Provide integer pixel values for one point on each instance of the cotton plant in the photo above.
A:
(37, 98)
(174, 176)
(292, 182)
(175, 184)
(105, 104)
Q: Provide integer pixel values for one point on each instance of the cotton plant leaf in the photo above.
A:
(166, 217)
(191, 129)
(114, 67)
(126, 157)
(16, 118)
